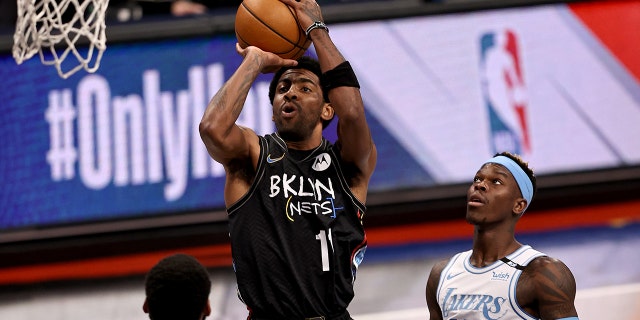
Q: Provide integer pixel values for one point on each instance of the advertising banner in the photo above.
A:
(455, 89)
(442, 93)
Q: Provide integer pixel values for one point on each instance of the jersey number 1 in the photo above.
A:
(325, 240)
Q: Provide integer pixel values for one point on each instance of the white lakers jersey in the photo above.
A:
(466, 292)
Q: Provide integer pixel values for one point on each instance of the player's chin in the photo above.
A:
(472, 206)
(473, 215)
(289, 134)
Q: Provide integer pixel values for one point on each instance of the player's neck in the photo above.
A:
(489, 247)
(300, 154)
(308, 144)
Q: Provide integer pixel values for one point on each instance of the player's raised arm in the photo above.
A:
(224, 139)
(354, 137)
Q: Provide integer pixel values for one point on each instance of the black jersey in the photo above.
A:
(297, 236)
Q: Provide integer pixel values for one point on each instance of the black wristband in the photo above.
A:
(340, 76)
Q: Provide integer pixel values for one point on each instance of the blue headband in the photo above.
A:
(524, 183)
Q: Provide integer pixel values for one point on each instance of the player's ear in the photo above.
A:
(519, 206)
(327, 111)
(145, 306)
(207, 309)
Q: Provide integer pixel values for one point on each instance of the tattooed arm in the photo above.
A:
(236, 148)
(547, 289)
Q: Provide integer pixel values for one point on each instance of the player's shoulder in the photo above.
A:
(544, 263)
(438, 267)
(547, 286)
(440, 264)
(435, 274)
(251, 138)
(246, 129)
(549, 271)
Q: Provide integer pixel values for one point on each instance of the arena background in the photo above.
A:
(103, 174)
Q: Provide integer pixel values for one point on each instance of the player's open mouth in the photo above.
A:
(289, 109)
(475, 201)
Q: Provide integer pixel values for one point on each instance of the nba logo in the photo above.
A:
(504, 92)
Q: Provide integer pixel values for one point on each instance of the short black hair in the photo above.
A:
(177, 287)
(523, 165)
(307, 63)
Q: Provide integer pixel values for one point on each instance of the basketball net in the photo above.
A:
(41, 27)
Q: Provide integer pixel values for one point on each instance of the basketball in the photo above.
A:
(271, 26)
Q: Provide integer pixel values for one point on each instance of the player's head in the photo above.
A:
(177, 288)
(306, 63)
(522, 173)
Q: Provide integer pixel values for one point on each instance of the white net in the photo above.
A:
(55, 27)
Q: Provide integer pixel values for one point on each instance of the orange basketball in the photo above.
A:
(271, 26)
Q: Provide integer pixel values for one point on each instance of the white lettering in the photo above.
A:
(286, 185)
(151, 92)
(128, 140)
(175, 136)
(275, 189)
(141, 138)
(301, 191)
(328, 189)
(94, 117)
(315, 188)
(300, 207)
(62, 154)
(201, 163)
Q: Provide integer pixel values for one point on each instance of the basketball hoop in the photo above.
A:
(55, 27)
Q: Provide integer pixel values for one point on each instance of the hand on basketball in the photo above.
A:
(308, 11)
(269, 62)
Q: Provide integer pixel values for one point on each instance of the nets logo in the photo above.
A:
(504, 92)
